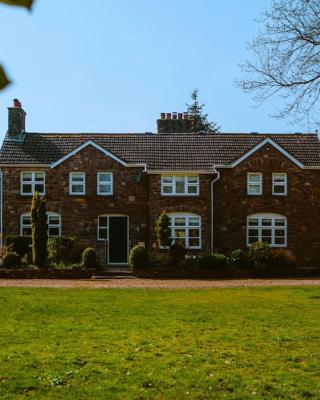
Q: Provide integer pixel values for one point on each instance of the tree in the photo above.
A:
(287, 58)
(199, 120)
(4, 81)
(39, 230)
(163, 230)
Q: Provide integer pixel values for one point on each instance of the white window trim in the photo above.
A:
(98, 183)
(284, 184)
(187, 227)
(250, 184)
(49, 213)
(259, 227)
(71, 193)
(33, 183)
(174, 177)
(98, 227)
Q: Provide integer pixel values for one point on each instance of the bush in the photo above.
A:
(59, 249)
(11, 260)
(212, 261)
(239, 259)
(76, 252)
(89, 258)
(159, 261)
(138, 258)
(284, 260)
(261, 255)
(176, 254)
(19, 244)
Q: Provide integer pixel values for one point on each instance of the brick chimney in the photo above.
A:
(174, 123)
(16, 120)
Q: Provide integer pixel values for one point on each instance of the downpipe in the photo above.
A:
(212, 205)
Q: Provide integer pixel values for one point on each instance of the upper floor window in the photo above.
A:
(254, 183)
(186, 229)
(53, 221)
(32, 182)
(77, 183)
(279, 184)
(105, 183)
(269, 228)
(177, 185)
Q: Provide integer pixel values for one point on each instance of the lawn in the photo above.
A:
(261, 343)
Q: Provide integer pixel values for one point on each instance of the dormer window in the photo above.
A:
(179, 185)
(32, 182)
(77, 183)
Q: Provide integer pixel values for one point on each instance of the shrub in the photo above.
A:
(190, 261)
(19, 244)
(239, 259)
(89, 258)
(261, 255)
(76, 252)
(11, 260)
(176, 254)
(39, 230)
(212, 261)
(163, 230)
(138, 258)
(59, 249)
(284, 259)
(159, 261)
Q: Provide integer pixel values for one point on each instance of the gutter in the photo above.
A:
(212, 219)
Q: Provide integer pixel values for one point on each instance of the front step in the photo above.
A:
(113, 273)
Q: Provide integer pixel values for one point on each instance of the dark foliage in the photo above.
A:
(19, 244)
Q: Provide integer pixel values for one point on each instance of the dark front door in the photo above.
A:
(118, 240)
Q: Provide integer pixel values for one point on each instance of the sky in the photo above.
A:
(114, 65)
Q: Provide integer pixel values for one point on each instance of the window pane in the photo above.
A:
(266, 222)
(181, 241)
(26, 220)
(279, 189)
(39, 176)
(279, 178)
(192, 179)
(193, 189)
(194, 221)
(27, 188)
(179, 233)
(27, 176)
(167, 189)
(53, 232)
(26, 231)
(194, 233)
(105, 189)
(253, 232)
(77, 177)
(253, 222)
(77, 189)
(167, 179)
(103, 233)
(279, 232)
(39, 188)
(279, 241)
(180, 222)
(254, 178)
(253, 239)
(280, 222)
(53, 220)
(254, 189)
(180, 184)
(194, 242)
(104, 177)
(103, 222)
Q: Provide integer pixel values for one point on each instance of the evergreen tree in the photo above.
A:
(39, 230)
(199, 120)
(163, 230)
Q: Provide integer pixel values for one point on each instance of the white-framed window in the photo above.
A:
(31, 182)
(103, 227)
(53, 221)
(186, 229)
(180, 185)
(254, 183)
(279, 184)
(77, 183)
(269, 228)
(104, 183)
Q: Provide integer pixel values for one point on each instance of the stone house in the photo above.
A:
(222, 191)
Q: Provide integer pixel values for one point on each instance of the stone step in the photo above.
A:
(108, 277)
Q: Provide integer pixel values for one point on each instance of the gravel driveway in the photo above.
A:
(156, 283)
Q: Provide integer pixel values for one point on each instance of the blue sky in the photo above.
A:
(114, 65)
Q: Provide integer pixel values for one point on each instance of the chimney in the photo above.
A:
(174, 123)
(16, 120)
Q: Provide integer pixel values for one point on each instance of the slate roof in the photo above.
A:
(165, 152)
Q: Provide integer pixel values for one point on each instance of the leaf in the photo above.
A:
(22, 3)
(4, 81)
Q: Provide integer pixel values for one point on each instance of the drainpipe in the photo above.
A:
(1, 211)
(212, 183)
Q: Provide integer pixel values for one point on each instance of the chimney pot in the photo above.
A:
(162, 115)
(174, 115)
(179, 115)
(168, 115)
(185, 115)
(16, 103)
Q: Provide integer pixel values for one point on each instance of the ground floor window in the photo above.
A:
(186, 229)
(269, 228)
(103, 227)
(53, 221)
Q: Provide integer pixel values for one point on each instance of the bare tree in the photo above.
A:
(287, 58)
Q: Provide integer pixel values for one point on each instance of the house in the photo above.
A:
(222, 191)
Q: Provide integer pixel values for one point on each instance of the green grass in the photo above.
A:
(152, 344)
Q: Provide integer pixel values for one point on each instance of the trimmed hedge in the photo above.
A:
(138, 258)
(89, 258)
(19, 244)
(59, 249)
(11, 260)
